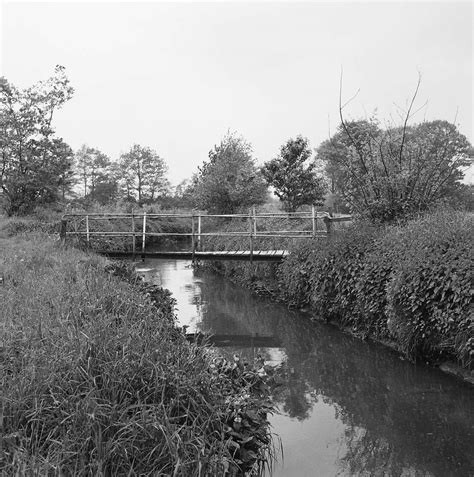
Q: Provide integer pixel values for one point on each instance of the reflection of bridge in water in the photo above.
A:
(267, 234)
(253, 340)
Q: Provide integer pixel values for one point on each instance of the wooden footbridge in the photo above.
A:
(266, 235)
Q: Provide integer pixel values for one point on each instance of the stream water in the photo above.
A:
(347, 407)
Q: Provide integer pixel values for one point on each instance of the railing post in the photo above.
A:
(327, 222)
(193, 237)
(134, 245)
(87, 231)
(254, 221)
(199, 232)
(63, 230)
(313, 211)
(144, 232)
(251, 235)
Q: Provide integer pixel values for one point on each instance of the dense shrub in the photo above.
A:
(18, 226)
(410, 283)
(323, 273)
(429, 296)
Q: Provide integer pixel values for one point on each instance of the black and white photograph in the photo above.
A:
(236, 238)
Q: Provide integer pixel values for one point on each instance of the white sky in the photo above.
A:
(177, 76)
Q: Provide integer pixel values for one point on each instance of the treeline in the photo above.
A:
(230, 181)
(138, 176)
(378, 173)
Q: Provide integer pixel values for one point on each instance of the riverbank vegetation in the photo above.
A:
(408, 284)
(97, 379)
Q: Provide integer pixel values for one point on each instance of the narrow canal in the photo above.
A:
(347, 407)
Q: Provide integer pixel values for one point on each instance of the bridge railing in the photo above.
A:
(137, 226)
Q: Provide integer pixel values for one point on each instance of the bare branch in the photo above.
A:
(408, 117)
(419, 109)
(351, 99)
(456, 115)
(359, 153)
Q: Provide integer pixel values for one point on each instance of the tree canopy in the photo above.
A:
(98, 174)
(392, 172)
(295, 180)
(143, 173)
(35, 164)
(230, 181)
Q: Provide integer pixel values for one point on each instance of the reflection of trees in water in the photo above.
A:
(194, 290)
(406, 416)
(295, 397)
(231, 309)
(412, 417)
(375, 456)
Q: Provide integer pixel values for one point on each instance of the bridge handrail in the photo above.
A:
(295, 215)
(139, 221)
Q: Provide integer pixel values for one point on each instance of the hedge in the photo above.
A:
(410, 283)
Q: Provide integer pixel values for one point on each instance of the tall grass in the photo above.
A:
(97, 379)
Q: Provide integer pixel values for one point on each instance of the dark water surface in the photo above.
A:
(348, 407)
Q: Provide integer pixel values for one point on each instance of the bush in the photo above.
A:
(327, 273)
(12, 227)
(409, 283)
(429, 296)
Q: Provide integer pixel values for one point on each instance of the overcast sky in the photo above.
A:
(177, 76)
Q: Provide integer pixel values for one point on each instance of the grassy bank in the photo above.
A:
(97, 380)
(410, 285)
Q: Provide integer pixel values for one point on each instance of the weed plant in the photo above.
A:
(97, 379)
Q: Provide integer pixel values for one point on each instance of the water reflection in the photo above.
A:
(347, 407)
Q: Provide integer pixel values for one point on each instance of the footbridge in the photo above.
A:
(196, 236)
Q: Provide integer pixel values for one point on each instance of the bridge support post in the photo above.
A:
(63, 230)
(134, 245)
(254, 212)
(199, 233)
(251, 229)
(88, 238)
(327, 222)
(193, 238)
(144, 233)
(75, 228)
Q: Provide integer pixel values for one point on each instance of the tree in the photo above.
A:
(143, 173)
(295, 181)
(390, 173)
(387, 174)
(230, 180)
(105, 188)
(35, 165)
(98, 174)
(66, 175)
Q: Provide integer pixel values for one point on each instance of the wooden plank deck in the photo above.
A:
(246, 255)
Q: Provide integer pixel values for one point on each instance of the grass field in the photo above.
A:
(97, 379)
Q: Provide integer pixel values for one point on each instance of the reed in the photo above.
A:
(97, 379)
